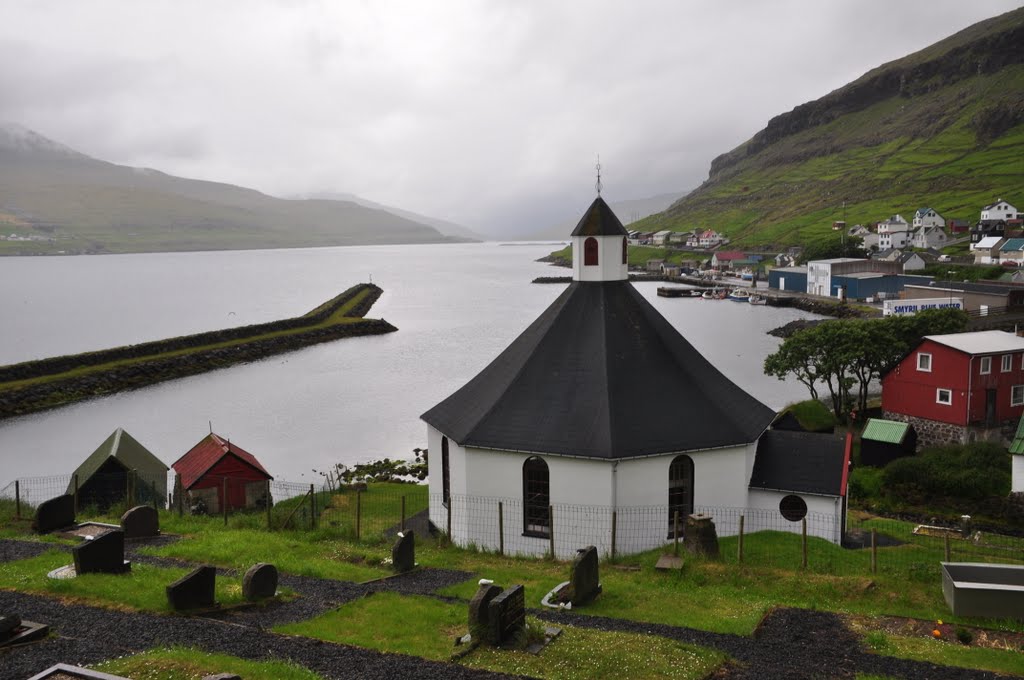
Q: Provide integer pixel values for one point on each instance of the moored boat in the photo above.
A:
(739, 295)
(758, 300)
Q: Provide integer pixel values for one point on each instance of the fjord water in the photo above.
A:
(456, 307)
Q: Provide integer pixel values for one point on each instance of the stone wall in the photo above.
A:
(935, 433)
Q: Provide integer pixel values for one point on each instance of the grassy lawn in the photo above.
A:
(946, 653)
(142, 589)
(426, 627)
(178, 663)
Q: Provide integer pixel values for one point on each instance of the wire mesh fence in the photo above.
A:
(763, 537)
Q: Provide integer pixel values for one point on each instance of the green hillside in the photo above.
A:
(942, 128)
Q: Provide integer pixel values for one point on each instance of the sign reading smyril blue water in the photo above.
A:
(911, 307)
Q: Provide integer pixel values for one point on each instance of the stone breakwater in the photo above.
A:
(150, 363)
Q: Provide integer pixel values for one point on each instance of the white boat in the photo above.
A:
(739, 295)
(758, 300)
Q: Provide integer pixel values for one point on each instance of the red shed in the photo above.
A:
(951, 386)
(217, 465)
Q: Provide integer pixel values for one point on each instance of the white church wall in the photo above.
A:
(609, 265)
(823, 515)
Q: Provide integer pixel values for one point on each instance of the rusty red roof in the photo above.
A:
(210, 450)
(730, 255)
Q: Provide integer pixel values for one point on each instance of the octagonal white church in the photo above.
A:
(600, 409)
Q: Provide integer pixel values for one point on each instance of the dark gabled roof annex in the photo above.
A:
(599, 220)
(801, 462)
(127, 450)
(600, 374)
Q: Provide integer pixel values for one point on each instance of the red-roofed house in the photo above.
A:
(959, 387)
(725, 258)
(215, 467)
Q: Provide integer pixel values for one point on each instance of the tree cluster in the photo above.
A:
(845, 354)
(385, 470)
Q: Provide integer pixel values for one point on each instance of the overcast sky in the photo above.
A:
(486, 113)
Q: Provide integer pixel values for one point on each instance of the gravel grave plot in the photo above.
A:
(11, 550)
(89, 635)
(789, 643)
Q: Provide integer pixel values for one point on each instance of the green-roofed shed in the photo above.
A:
(119, 467)
(1017, 465)
(883, 441)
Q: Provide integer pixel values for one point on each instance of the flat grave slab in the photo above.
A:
(63, 671)
(17, 631)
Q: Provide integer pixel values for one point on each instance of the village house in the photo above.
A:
(929, 237)
(986, 251)
(215, 471)
(1012, 252)
(601, 408)
(927, 217)
(707, 238)
(1000, 210)
(893, 233)
(959, 226)
(959, 387)
(908, 260)
(661, 238)
(727, 259)
(987, 229)
(820, 273)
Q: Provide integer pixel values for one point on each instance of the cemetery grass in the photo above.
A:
(180, 663)
(143, 588)
(426, 627)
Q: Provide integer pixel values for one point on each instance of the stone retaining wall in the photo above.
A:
(935, 433)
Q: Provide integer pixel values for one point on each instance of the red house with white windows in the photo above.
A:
(959, 387)
(217, 471)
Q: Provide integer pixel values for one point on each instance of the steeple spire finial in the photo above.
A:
(597, 185)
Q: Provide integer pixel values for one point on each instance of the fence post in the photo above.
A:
(947, 549)
(615, 517)
(501, 529)
(675, 533)
(17, 499)
(76, 493)
(153, 487)
(359, 513)
(803, 540)
(874, 553)
(401, 525)
(128, 489)
(266, 501)
(224, 501)
(180, 493)
(739, 542)
(551, 529)
(312, 507)
(450, 501)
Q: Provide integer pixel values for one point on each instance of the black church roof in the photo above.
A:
(599, 220)
(600, 374)
(800, 462)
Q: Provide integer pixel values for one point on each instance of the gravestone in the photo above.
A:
(8, 624)
(56, 513)
(506, 615)
(259, 582)
(102, 555)
(194, 590)
(223, 676)
(700, 537)
(583, 580)
(403, 553)
(63, 671)
(479, 611)
(141, 521)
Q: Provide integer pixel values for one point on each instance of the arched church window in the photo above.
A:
(680, 490)
(536, 498)
(590, 251)
(624, 243)
(446, 476)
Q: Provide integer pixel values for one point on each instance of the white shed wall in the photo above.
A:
(1017, 480)
(823, 515)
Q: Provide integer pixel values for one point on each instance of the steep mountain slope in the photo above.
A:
(66, 201)
(943, 128)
